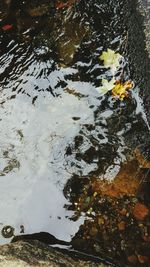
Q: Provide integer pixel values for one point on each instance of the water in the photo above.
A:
(54, 123)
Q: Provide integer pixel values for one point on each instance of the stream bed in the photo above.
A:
(71, 163)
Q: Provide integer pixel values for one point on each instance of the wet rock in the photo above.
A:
(24, 254)
(138, 46)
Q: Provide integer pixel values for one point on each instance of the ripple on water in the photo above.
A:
(54, 125)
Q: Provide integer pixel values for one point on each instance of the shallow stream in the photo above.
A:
(56, 127)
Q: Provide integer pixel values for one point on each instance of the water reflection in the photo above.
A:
(36, 137)
(55, 125)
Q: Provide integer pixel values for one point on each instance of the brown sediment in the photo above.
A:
(140, 211)
(117, 223)
(113, 228)
(126, 182)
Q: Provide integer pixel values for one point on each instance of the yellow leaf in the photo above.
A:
(120, 89)
(106, 86)
(111, 59)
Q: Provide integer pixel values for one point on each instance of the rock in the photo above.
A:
(121, 226)
(24, 254)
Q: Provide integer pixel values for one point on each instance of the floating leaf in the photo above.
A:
(111, 59)
(120, 89)
(106, 86)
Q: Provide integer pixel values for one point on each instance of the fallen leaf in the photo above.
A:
(140, 211)
(120, 89)
(111, 59)
(106, 86)
(7, 27)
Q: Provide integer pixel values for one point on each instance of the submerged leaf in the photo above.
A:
(106, 86)
(111, 59)
(120, 89)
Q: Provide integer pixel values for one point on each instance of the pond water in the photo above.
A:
(57, 129)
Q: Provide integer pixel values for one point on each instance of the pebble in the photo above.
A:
(140, 211)
(132, 259)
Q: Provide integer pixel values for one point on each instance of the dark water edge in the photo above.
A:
(137, 20)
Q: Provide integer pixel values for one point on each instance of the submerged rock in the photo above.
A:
(38, 9)
(70, 34)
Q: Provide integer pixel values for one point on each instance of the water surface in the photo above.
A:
(54, 123)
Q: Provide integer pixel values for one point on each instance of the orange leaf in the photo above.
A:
(120, 89)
